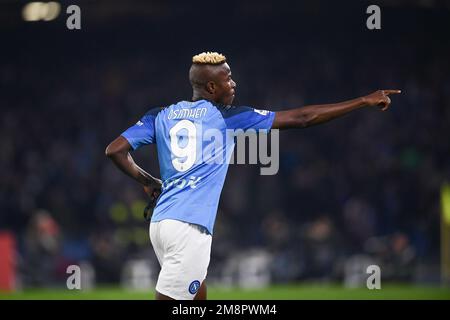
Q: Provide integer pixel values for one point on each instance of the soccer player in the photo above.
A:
(187, 198)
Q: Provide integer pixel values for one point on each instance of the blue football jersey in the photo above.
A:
(195, 141)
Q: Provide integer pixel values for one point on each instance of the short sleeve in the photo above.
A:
(248, 118)
(143, 132)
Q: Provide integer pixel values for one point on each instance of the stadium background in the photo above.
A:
(364, 189)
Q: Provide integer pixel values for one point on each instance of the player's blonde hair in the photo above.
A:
(209, 58)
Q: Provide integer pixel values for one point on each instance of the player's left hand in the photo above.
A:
(153, 190)
(380, 98)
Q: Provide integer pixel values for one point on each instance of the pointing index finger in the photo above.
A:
(392, 91)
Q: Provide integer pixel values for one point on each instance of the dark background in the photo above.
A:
(367, 184)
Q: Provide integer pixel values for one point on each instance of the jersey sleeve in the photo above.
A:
(248, 118)
(143, 132)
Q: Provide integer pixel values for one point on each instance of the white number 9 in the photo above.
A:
(189, 151)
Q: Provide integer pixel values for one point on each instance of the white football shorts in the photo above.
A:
(183, 251)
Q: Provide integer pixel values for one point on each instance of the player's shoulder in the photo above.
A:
(231, 111)
(153, 112)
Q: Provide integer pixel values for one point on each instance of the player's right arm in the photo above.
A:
(142, 133)
(315, 114)
(119, 152)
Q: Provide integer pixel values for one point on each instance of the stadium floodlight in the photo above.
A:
(36, 11)
(32, 11)
(53, 9)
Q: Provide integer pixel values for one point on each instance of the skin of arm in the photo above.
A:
(119, 152)
(315, 114)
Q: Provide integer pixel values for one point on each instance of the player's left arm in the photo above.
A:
(315, 114)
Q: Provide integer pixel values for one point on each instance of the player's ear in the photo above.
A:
(211, 87)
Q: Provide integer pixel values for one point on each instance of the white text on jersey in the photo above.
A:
(187, 113)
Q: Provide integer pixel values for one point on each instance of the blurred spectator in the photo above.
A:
(323, 248)
(42, 250)
(395, 254)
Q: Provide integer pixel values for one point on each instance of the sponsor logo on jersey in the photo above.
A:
(181, 183)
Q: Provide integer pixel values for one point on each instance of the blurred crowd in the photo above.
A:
(366, 184)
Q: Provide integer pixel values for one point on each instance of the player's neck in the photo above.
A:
(198, 96)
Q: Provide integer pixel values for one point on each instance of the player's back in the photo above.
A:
(193, 151)
(195, 141)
